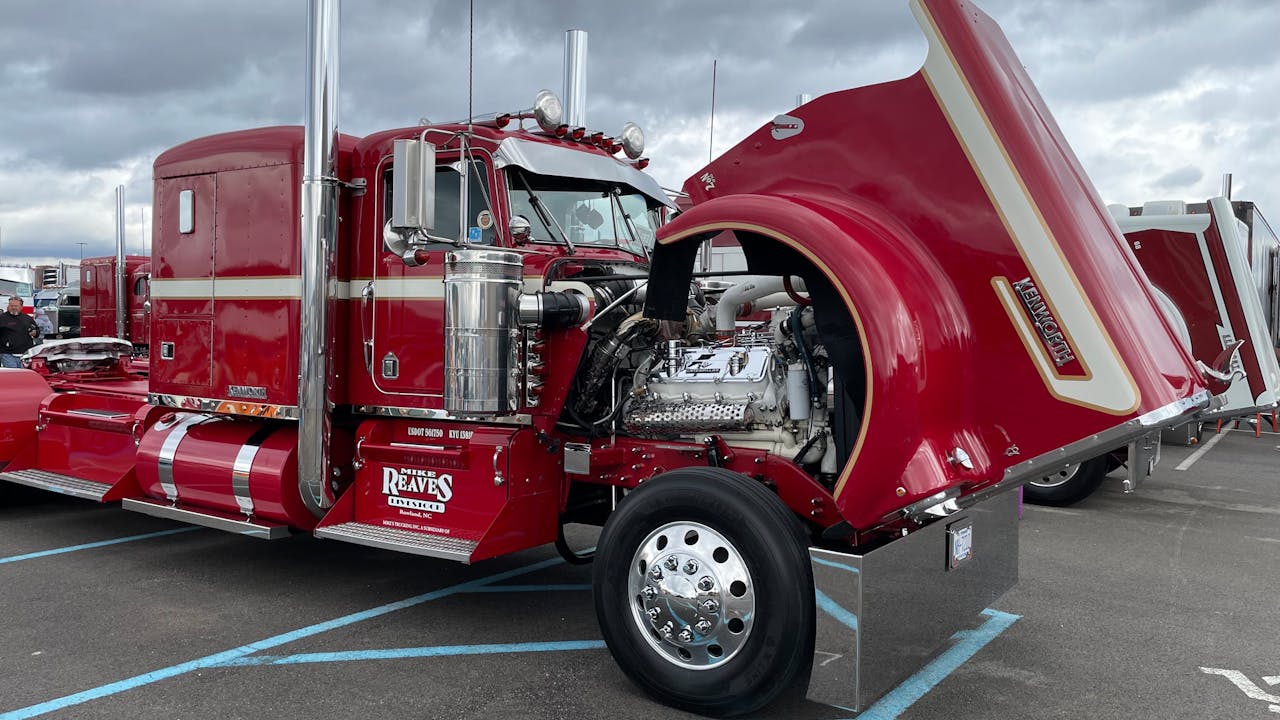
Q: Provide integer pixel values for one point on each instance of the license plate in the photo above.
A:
(959, 543)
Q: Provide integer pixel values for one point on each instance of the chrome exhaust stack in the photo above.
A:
(575, 78)
(319, 204)
(121, 319)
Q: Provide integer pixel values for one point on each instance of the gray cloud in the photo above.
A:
(1146, 90)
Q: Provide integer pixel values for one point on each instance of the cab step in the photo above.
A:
(55, 482)
(417, 543)
(208, 518)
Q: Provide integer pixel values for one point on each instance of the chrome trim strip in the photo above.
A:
(1091, 447)
(169, 450)
(437, 414)
(231, 407)
(240, 471)
(239, 527)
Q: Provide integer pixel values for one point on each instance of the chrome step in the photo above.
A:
(207, 518)
(437, 546)
(53, 482)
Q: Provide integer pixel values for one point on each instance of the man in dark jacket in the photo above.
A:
(17, 334)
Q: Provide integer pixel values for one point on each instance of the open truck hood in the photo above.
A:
(1200, 263)
(1005, 329)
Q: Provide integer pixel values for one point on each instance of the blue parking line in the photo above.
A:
(221, 658)
(835, 610)
(969, 642)
(416, 652)
(90, 546)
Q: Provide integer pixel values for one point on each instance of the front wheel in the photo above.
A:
(1070, 485)
(704, 592)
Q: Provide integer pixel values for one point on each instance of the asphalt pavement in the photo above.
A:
(1159, 604)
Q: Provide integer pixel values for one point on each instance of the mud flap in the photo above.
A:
(883, 615)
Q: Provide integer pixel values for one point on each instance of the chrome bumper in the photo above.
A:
(881, 616)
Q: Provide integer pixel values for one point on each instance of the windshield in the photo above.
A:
(589, 212)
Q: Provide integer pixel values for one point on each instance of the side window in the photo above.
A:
(140, 287)
(187, 211)
(480, 216)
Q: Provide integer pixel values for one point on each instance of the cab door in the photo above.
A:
(407, 358)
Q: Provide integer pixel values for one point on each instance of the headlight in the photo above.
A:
(64, 328)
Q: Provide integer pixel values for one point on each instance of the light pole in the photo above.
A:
(81, 252)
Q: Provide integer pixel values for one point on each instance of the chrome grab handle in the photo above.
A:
(366, 300)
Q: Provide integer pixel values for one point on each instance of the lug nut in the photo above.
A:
(672, 563)
(706, 584)
(650, 592)
(685, 636)
(704, 626)
(666, 629)
(653, 613)
(656, 573)
(690, 567)
(711, 606)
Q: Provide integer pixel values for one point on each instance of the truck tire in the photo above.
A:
(704, 592)
(1071, 485)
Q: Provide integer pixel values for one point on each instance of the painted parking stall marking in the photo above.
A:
(1248, 687)
(92, 545)
(967, 643)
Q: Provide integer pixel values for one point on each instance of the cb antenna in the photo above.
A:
(711, 139)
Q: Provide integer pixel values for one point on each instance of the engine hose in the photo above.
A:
(797, 333)
(805, 448)
(571, 557)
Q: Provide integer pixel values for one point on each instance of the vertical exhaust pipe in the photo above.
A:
(575, 78)
(121, 318)
(319, 237)
(1226, 185)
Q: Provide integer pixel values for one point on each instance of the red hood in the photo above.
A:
(1000, 315)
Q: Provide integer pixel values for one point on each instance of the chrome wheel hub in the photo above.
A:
(692, 596)
(1058, 478)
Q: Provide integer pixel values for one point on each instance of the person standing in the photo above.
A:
(17, 334)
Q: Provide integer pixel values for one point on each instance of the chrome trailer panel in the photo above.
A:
(883, 615)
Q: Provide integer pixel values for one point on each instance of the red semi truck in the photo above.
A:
(453, 340)
(98, 284)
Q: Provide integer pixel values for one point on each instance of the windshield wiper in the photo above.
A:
(615, 195)
(548, 220)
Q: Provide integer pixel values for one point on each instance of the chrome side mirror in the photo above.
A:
(520, 229)
(413, 180)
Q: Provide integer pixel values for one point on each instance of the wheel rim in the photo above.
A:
(691, 595)
(1061, 477)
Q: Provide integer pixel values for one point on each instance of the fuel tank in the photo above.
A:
(224, 464)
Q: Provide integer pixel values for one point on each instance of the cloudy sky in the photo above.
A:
(1158, 97)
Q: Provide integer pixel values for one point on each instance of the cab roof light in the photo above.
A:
(578, 133)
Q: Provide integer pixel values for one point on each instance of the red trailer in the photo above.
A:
(452, 340)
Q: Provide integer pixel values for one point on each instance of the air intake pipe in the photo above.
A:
(122, 317)
(319, 203)
(484, 311)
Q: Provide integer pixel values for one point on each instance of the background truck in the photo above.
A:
(98, 306)
(1213, 279)
(453, 340)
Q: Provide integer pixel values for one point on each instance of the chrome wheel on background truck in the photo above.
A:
(1072, 484)
(704, 592)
